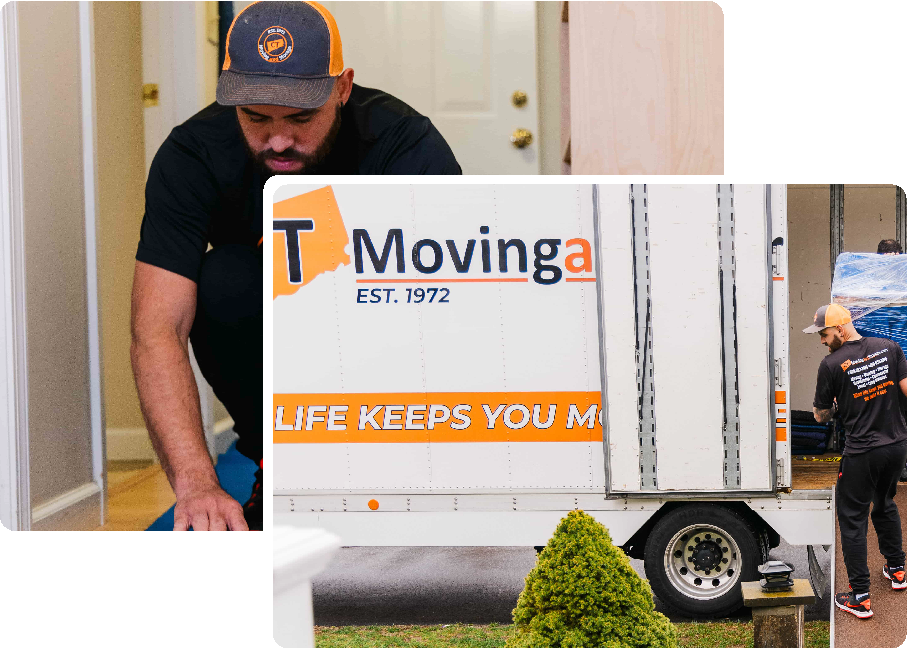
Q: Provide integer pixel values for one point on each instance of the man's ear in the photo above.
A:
(344, 85)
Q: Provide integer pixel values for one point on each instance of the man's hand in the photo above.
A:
(208, 509)
(163, 309)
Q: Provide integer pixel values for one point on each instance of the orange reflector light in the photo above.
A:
(373, 504)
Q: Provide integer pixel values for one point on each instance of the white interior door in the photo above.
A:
(459, 64)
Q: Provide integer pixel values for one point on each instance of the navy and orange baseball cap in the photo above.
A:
(281, 54)
(829, 315)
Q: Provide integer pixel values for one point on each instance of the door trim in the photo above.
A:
(90, 171)
(15, 509)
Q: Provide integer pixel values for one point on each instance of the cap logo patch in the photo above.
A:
(275, 45)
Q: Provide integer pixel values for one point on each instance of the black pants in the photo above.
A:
(870, 477)
(227, 337)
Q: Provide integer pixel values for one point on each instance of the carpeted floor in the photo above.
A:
(886, 628)
(236, 473)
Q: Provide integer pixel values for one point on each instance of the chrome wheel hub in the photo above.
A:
(702, 561)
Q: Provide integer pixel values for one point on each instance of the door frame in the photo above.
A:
(15, 511)
(90, 174)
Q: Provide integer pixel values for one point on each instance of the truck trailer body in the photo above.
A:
(462, 365)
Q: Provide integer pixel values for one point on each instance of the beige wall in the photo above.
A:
(869, 216)
(121, 185)
(59, 406)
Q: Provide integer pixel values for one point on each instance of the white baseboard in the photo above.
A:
(78, 509)
(129, 444)
(134, 444)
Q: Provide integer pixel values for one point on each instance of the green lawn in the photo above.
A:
(692, 635)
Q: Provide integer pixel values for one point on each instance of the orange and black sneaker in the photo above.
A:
(857, 604)
(896, 575)
(253, 509)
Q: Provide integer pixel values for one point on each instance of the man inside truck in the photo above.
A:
(860, 380)
(285, 105)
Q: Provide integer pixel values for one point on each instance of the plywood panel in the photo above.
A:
(750, 247)
(647, 87)
(686, 336)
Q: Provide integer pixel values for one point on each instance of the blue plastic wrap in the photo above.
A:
(873, 287)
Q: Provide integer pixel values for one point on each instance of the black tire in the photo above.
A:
(725, 550)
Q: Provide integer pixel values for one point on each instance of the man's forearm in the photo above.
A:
(169, 399)
(823, 415)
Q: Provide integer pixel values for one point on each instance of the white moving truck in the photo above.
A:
(463, 364)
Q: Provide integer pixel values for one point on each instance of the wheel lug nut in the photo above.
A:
(697, 540)
(724, 549)
(724, 560)
(708, 536)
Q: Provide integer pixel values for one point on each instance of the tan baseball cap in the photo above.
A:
(829, 315)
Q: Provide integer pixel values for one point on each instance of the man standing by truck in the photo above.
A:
(285, 105)
(861, 379)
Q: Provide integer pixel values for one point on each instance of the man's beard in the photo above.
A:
(835, 343)
(310, 162)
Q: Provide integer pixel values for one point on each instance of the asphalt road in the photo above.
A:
(438, 585)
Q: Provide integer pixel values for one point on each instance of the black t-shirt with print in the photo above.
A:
(864, 376)
(204, 188)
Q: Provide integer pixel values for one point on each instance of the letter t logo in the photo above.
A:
(291, 229)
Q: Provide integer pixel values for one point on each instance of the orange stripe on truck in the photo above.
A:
(780, 434)
(448, 417)
(780, 397)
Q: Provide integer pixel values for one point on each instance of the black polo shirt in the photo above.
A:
(864, 376)
(204, 188)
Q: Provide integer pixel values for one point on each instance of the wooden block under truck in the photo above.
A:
(464, 364)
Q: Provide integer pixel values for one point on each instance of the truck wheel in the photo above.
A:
(696, 557)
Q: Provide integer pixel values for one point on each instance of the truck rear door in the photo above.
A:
(694, 330)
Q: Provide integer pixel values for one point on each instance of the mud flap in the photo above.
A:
(817, 577)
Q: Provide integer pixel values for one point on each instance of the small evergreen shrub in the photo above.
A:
(583, 593)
